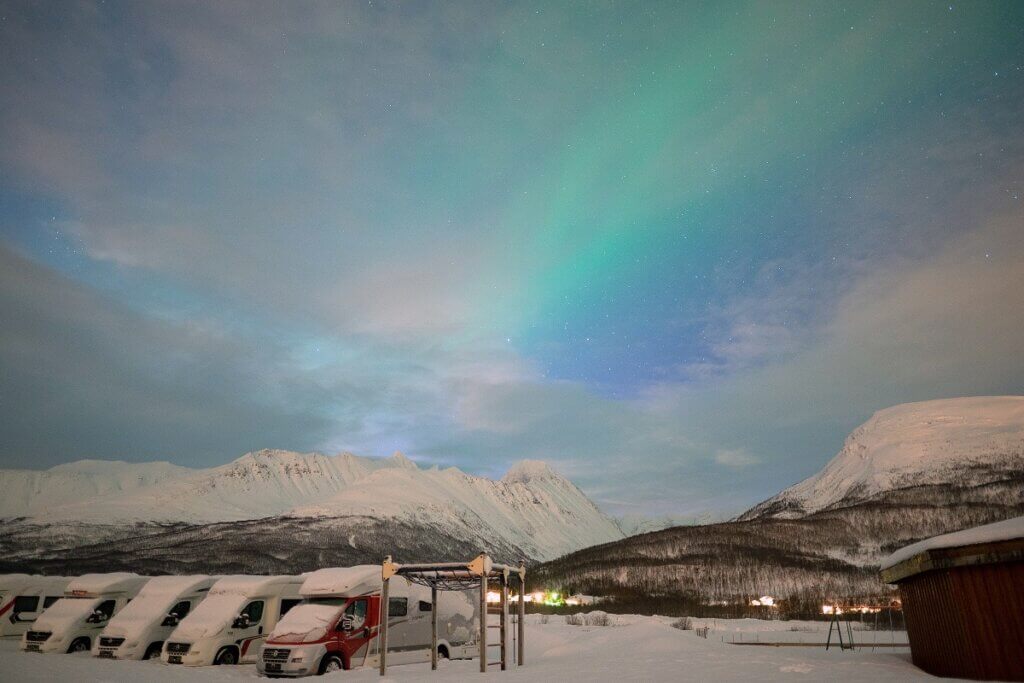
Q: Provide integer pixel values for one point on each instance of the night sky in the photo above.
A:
(677, 250)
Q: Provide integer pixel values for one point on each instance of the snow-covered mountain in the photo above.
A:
(532, 509)
(26, 493)
(951, 443)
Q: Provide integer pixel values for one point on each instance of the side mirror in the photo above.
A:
(241, 621)
(23, 617)
(346, 622)
(171, 619)
(96, 617)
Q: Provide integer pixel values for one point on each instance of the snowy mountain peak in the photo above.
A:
(399, 460)
(961, 441)
(532, 508)
(525, 471)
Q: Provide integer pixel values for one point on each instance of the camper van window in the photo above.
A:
(255, 612)
(424, 606)
(398, 607)
(102, 612)
(49, 600)
(25, 603)
(288, 604)
(355, 616)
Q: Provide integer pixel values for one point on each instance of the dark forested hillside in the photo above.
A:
(276, 545)
(825, 556)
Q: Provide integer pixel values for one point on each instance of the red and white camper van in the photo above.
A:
(336, 626)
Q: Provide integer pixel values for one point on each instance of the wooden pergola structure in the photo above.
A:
(460, 576)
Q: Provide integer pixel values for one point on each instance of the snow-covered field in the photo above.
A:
(762, 631)
(631, 649)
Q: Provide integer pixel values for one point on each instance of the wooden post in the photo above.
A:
(433, 627)
(383, 631)
(504, 620)
(522, 614)
(483, 623)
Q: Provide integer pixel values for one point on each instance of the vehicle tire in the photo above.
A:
(228, 657)
(79, 645)
(442, 652)
(330, 663)
(153, 652)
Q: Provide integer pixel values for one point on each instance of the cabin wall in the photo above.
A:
(967, 622)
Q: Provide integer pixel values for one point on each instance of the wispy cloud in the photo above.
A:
(330, 226)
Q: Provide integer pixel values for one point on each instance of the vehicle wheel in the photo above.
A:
(79, 645)
(154, 651)
(330, 663)
(227, 657)
(442, 652)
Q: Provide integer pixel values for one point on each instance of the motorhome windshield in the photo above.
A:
(142, 610)
(211, 616)
(67, 610)
(306, 623)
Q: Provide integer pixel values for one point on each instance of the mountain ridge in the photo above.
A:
(532, 509)
(958, 441)
(910, 472)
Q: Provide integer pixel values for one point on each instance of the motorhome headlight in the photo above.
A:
(300, 654)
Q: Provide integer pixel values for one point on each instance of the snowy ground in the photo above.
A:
(762, 631)
(633, 649)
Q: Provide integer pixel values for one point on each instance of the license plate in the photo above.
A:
(174, 659)
(109, 654)
(32, 647)
(272, 666)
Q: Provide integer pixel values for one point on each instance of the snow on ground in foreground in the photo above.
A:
(638, 649)
(764, 631)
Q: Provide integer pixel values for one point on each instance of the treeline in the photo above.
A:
(277, 545)
(827, 557)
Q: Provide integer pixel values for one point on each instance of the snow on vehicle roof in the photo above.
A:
(98, 584)
(226, 598)
(9, 579)
(1006, 530)
(154, 602)
(342, 581)
(250, 585)
(34, 583)
(173, 586)
(305, 623)
(65, 612)
(210, 617)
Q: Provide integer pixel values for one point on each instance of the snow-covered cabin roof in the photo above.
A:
(251, 585)
(95, 585)
(1007, 530)
(37, 583)
(29, 584)
(13, 579)
(173, 586)
(342, 581)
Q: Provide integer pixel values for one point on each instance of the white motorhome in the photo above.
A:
(234, 619)
(73, 622)
(140, 629)
(23, 597)
(337, 625)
